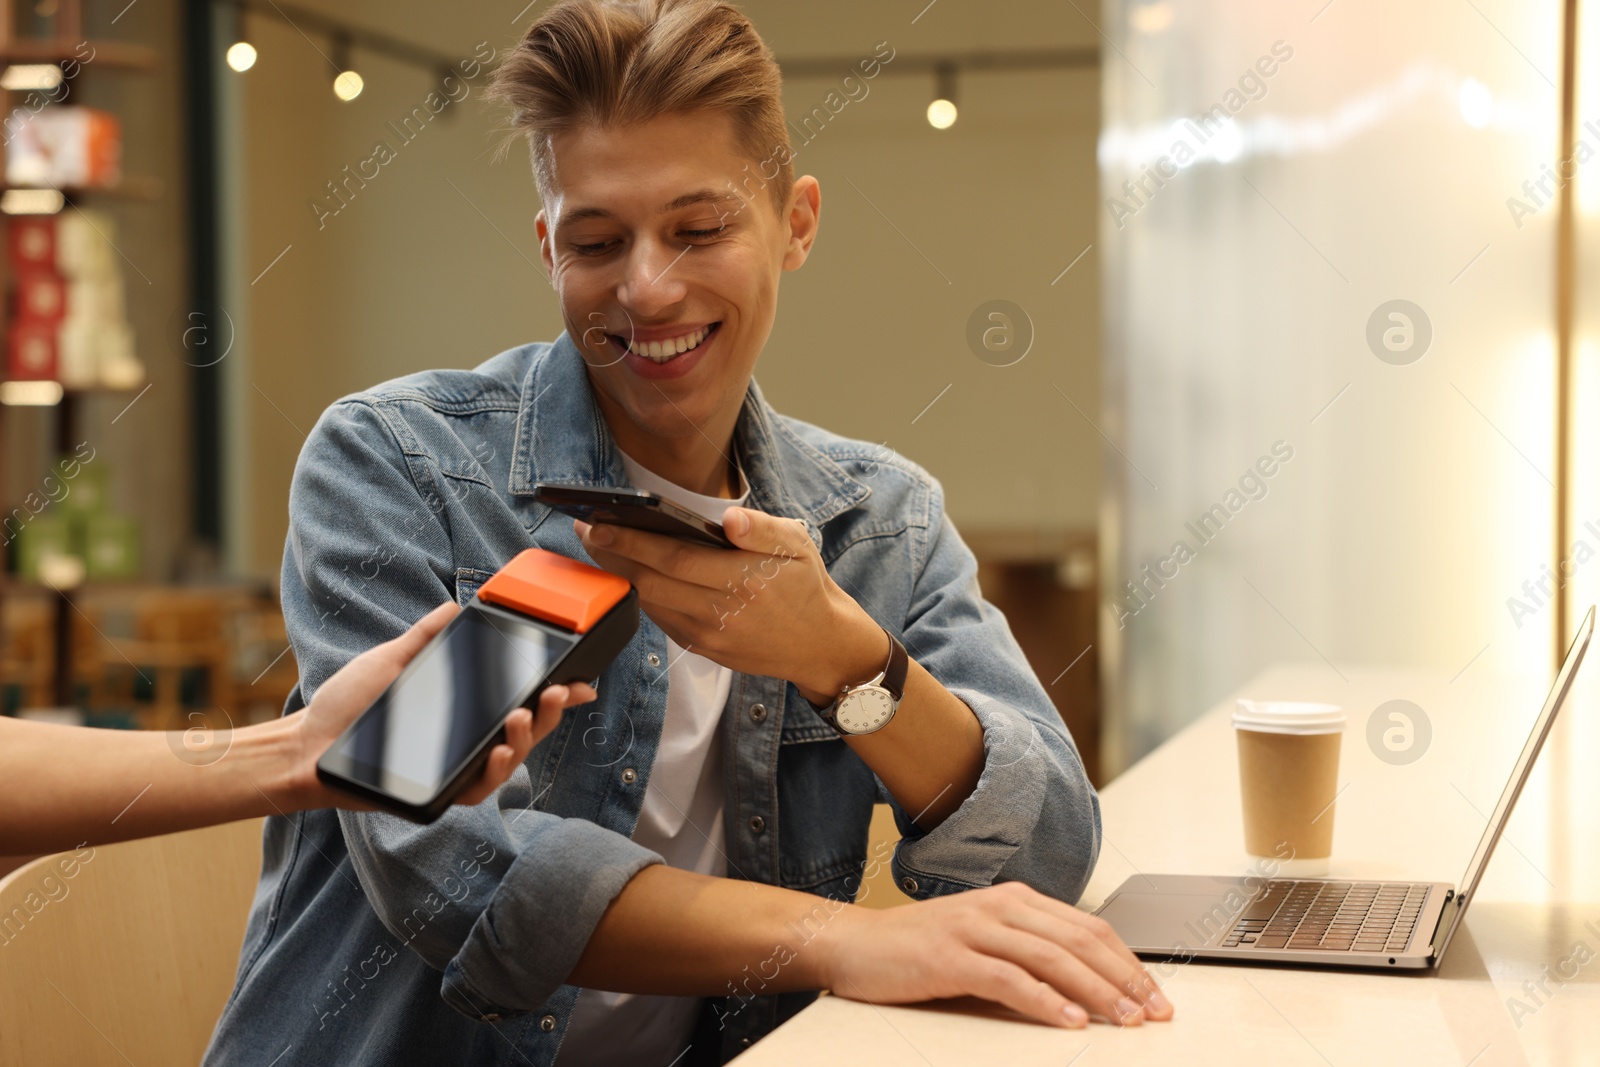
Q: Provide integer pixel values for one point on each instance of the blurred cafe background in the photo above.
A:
(1237, 332)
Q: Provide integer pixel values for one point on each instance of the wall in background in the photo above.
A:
(1368, 159)
(435, 263)
(1581, 548)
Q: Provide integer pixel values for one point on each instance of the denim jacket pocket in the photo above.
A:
(468, 579)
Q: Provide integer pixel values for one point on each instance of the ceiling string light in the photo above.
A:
(947, 68)
(347, 84)
(241, 56)
(343, 38)
(942, 112)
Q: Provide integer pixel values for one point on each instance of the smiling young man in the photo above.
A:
(670, 875)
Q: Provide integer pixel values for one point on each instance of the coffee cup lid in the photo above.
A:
(1288, 717)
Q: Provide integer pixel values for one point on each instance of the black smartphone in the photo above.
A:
(634, 508)
(430, 733)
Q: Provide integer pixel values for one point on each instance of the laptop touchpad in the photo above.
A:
(1165, 922)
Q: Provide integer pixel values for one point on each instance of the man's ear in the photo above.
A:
(803, 214)
(546, 254)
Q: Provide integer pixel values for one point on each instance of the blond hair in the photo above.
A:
(620, 62)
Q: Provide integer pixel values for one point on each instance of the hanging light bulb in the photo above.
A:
(241, 56)
(942, 112)
(348, 84)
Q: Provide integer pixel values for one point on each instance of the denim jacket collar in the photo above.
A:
(562, 437)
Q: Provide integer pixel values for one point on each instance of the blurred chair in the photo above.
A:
(28, 649)
(231, 636)
(264, 667)
(102, 679)
(132, 957)
(177, 631)
(161, 636)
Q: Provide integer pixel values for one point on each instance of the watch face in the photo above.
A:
(864, 710)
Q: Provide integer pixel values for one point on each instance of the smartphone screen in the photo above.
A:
(447, 701)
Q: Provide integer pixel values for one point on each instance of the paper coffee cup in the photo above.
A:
(1288, 779)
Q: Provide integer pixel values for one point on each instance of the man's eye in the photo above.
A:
(702, 235)
(592, 249)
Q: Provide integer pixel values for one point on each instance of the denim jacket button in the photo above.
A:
(758, 712)
(629, 776)
(757, 823)
(653, 659)
(909, 884)
(548, 1023)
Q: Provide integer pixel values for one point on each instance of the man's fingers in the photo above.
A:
(1134, 977)
(677, 606)
(1083, 939)
(764, 535)
(1006, 983)
(756, 531)
(607, 545)
(662, 588)
(1070, 976)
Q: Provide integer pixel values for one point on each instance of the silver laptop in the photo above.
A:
(1369, 924)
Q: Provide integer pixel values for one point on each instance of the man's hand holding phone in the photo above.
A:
(768, 608)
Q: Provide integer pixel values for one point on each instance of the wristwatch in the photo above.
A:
(868, 707)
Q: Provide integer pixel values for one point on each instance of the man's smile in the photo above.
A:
(659, 346)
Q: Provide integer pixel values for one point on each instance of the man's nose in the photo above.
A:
(652, 282)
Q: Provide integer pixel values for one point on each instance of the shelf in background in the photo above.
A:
(111, 54)
(132, 187)
(37, 397)
(85, 390)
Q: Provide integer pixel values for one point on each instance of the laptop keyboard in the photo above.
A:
(1331, 916)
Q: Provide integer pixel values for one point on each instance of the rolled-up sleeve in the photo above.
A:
(523, 891)
(531, 933)
(502, 897)
(1033, 816)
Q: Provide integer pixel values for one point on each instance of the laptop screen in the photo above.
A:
(1530, 752)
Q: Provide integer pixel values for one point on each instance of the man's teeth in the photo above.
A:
(661, 351)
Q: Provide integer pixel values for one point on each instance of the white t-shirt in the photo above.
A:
(681, 818)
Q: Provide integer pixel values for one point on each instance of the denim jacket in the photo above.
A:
(373, 940)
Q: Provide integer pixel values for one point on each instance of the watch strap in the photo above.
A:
(894, 675)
